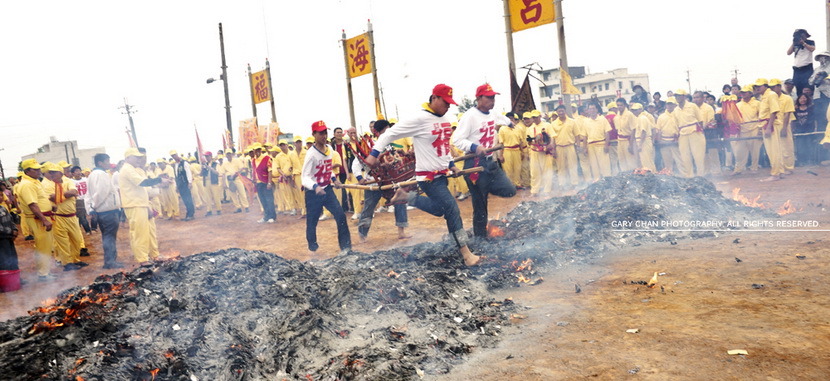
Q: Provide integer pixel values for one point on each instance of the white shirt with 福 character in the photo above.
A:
(317, 169)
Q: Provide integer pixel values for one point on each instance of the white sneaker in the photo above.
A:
(270, 221)
(261, 220)
(324, 217)
(293, 212)
(390, 209)
(356, 216)
(463, 197)
(410, 208)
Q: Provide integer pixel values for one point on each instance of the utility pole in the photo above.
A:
(688, 80)
(2, 172)
(827, 22)
(735, 73)
(224, 79)
(129, 110)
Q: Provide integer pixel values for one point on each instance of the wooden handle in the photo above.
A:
(472, 155)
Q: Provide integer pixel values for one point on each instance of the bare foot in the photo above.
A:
(470, 259)
(402, 234)
(362, 238)
(400, 197)
(771, 178)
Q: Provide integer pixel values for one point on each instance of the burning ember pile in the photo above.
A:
(394, 314)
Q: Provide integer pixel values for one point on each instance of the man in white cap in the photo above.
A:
(133, 182)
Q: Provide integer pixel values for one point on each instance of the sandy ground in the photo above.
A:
(704, 305)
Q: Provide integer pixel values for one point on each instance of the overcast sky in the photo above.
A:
(67, 66)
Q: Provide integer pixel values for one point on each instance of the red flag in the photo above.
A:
(130, 138)
(200, 151)
(224, 143)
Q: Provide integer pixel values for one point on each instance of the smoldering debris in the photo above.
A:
(394, 314)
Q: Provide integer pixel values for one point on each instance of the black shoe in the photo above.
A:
(219, 213)
(114, 265)
(29, 238)
(188, 219)
(45, 278)
(84, 252)
(238, 210)
(246, 210)
(82, 263)
(71, 267)
(208, 214)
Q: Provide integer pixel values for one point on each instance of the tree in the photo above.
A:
(466, 104)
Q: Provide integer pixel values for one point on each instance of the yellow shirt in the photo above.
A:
(282, 163)
(667, 126)
(535, 130)
(336, 161)
(132, 194)
(625, 123)
(785, 103)
(644, 127)
(749, 110)
(296, 162)
(31, 192)
(521, 130)
(707, 113)
(565, 135)
(768, 105)
(64, 205)
(510, 137)
(596, 129)
(196, 170)
(687, 117)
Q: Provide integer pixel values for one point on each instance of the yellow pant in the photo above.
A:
(67, 237)
(170, 201)
(671, 158)
(240, 197)
(628, 161)
(357, 194)
(788, 150)
(541, 172)
(24, 228)
(513, 165)
(143, 241)
(198, 191)
(600, 161)
(566, 163)
(299, 195)
(584, 164)
(647, 155)
(744, 149)
(214, 199)
(525, 177)
(773, 146)
(692, 147)
(457, 185)
(713, 166)
(43, 244)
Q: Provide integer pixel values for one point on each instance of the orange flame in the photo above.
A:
(494, 231)
(393, 274)
(753, 203)
(665, 171)
(787, 208)
(79, 378)
(154, 372)
(522, 279)
(169, 354)
(527, 264)
(641, 171)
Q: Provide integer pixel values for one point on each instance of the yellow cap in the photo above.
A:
(774, 82)
(761, 82)
(132, 152)
(535, 113)
(298, 138)
(747, 88)
(30, 164)
(86, 170)
(20, 174)
(255, 146)
(219, 156)
(527, 115)
(671, 100)
(681, 92)
(246, 151)
(267, 145)
(64, 164)
(52, 167)
(283, 141)
(454, 124)
(636, 106)
(611, 105)
(173, 152)
(161, 161)
(191, 159)
(309, 139)
(574, 105)
(393, 121)
(460, 114)
(171, 161)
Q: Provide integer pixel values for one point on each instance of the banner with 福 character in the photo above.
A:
(526, 14)
(260, 89)
(358, 55)
(248, 133)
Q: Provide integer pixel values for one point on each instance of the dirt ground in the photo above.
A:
(704, 305)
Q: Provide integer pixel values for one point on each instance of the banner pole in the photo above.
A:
(348, 78)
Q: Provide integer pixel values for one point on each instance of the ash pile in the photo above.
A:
(394, 314)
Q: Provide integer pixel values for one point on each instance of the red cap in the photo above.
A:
(318, 126)
(445, 92)
(208, 153)
(485, 90)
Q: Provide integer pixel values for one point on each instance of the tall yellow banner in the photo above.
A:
(358, 55)
(567, 84)
(526, 14)
(259, 87)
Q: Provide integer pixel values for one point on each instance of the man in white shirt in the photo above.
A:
(476, 133)
(105, 206)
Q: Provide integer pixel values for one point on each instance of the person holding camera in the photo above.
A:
(802, 51)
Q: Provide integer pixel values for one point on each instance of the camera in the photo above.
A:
(799, 36)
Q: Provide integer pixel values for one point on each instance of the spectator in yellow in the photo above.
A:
(297, 156)
(643, 138)
(785, 117)
(596, 143)
(514, 141)
(564, 129)
(36, 211)
(231, 172)
(626, 122)
(133, 182)
(768, 111)
(750, 128)
(541, 163)
(691, 142)
(66, 231)
(667, 134)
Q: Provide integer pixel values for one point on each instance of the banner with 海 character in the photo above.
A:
(358, 55)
